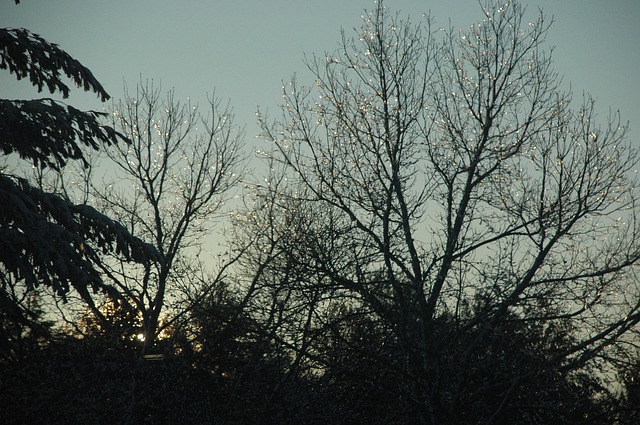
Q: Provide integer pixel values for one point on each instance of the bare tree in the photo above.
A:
(168, 186)
(452, 178)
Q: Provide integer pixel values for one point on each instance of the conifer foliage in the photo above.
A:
(45, 238)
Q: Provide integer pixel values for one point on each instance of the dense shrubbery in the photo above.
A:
(229, 374)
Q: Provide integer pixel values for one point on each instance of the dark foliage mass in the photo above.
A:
(227, 373)
(441, 239)
(49, 133)
(26, 54)
(44, 131)
(44, 238)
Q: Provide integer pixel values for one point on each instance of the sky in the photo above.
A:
(246, 49)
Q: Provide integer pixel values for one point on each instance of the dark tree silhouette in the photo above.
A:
(169, 185)
(423, 176)
(44, 238)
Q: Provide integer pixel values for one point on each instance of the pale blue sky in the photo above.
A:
(245, 48)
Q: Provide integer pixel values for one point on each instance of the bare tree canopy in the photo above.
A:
(445, 176)
(168, 186)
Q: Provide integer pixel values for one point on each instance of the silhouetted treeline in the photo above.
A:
(223, 369)
(441, 236)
